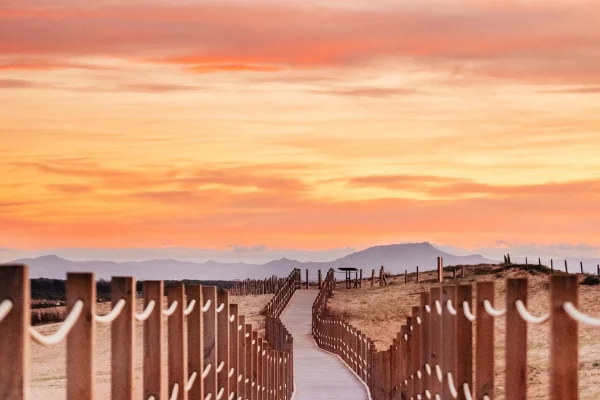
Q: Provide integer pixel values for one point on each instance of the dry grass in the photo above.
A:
(381, 311)
(48, 364)
(48, 315)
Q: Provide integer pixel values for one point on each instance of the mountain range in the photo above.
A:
(396, 258)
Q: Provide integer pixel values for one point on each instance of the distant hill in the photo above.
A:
(396, 258)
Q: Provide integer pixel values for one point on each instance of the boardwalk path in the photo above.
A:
(318, 375)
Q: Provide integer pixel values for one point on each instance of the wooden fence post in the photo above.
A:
(241, 373)
(405, 276)
(122, 339)
(448, 338)
(552, 265)
(435, 341)
(14, 335)
(176, 354)
(307, 278)
(417, 274)
(320, 280)
(250, 378)
(153, 339)
(464, 341)
(484, 351)
(195, 362)
(80, 340)
(424, 343)
(440, 261)
(209, 293)
(233, 350)
(516, 340)
(581, 266)
(258, 370)
(564, 340)
(415, 372)
(566, 267)
(373, 277)
(223, 342)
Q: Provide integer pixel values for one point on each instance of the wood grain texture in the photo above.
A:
(122, 339)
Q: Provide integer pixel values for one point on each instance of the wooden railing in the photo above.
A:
(257, 286)
(433, 354)
(225, 358)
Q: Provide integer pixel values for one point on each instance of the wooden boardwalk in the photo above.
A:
(318, 375)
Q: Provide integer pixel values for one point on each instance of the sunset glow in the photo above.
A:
(305, 125)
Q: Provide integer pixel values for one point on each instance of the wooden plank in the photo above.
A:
(209, 293)
(176, 352)
(435, 341)
(195, 358)
(122, 339)
(223, 343)
(564, 339)
(81, 338)
(14, 335)
(448, 338)
(516, 340)
(424, 341)
(260, 378)
(484, 350)
(464, 341)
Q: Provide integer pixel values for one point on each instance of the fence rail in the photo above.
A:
(433, 356)
(257, 286)
(225, 357)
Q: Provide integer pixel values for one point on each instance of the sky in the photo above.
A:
(303, 128)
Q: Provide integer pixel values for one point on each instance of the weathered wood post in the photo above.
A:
(551, 265)
(195, 342)
(566, 267)
(81, 338)
(454, 274)
(424, 342)
(373, 277)
(516, 340)
(320, 280)
(14, 335)
(381, 276)
(307, 278)
(361, 278)
(505, 259)
(435, 340)
(508, 258)
(564, 340)
(417, 274)
(153, 339)
(464, 340)
(484, 350)
(539, 262)
(581, 266)
(223, 342)
(440, 262)
(234, 348)
(598, 269)
(209, 332)
(405, 276)
(177, 370)
(122, 339)
(448, 337)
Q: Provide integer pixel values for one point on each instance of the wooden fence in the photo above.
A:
(433, 356)
(257, 286)
(221, 358)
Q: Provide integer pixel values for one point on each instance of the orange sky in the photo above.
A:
(308, 125)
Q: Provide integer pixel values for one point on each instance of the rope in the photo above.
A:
(231, 318)
(205, 309)
(467, 311)
(438, 371)
(450, 307)
(175, 392)
(221, 307)
(451, 386)
(208, 396)
(231, 371)
(220, 367)
(491, 310)
(64, 329)
(527, 316)
(146, 314)
(113, 314)
(189, 308)
(5, 308)
(220, 394)
(190, 382)
(171, 310)
(579, 316)
(206, 371)
(467, 391)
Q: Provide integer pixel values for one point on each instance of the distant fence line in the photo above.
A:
(257, 286)
(432, 356)
(225, 357)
